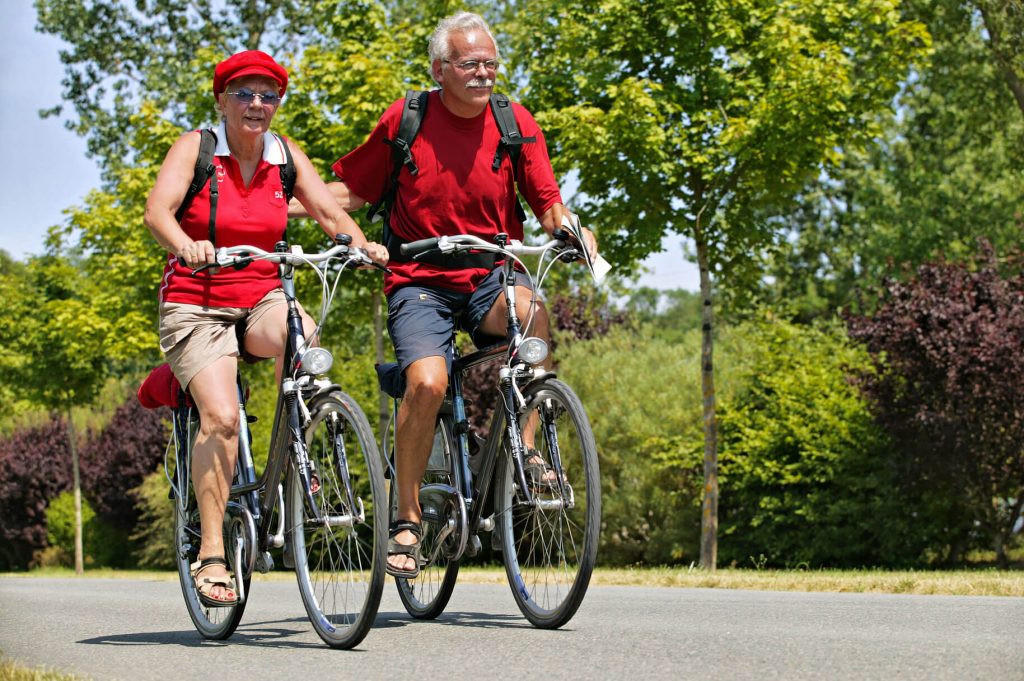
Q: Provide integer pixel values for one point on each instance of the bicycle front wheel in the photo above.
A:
(549, 546)
(339, 559)
(443, 518)
(212, 623)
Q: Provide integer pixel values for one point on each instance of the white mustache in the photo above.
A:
(481, 82)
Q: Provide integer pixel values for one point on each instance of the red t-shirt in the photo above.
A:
(255, 215)
(456, 191)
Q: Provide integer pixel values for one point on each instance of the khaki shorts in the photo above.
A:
(193, 337)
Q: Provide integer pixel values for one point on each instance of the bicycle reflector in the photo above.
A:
(533, 350)
(317, 361)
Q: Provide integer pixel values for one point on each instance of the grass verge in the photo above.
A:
(986, 582)
(11, 671)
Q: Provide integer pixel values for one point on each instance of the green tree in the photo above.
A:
(945, 171)
(689, 118)
(1004, 24)
(59, 345)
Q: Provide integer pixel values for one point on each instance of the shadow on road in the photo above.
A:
(263, 634)
(281, 633)
(478, 620)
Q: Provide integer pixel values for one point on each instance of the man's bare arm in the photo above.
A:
(347, 200)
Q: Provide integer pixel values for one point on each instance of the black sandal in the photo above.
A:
(539, 474)
(228, 583)
(411, 550)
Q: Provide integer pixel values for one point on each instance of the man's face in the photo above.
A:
(467, 77)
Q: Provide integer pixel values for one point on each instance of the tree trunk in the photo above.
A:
(709, 507)
(377, 301)
(76, 482)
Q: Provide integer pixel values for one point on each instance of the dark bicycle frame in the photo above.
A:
(245, 488)
(504, 421)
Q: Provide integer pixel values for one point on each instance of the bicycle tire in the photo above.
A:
(426, 595)
(215, 624)
(339, 568)
(549, 553)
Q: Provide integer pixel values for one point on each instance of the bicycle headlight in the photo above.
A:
(317, 361)
(533, 350)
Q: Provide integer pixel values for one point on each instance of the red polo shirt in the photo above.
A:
(456, 190)
(255, 215)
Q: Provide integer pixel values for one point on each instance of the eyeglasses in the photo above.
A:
(472, 65)
(245, 96)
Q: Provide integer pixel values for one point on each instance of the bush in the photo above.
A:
(117, 459)
(101, 543)
(947, 345)
(804, 473)
(154, 533)
(35, 466)
(643, 399)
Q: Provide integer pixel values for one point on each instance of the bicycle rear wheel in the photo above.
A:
(212, 623)
(549, 548)
(426, 595)
(339, 562)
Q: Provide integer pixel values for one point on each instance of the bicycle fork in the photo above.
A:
(300, 455)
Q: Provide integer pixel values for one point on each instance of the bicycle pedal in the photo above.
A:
(473, 546)
(264, 562)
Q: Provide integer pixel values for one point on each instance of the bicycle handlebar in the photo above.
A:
(234, 256)
(463, 242)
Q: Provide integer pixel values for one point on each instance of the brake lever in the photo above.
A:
(364, 259)
(207, 266)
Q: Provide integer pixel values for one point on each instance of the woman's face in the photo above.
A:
(249, 117)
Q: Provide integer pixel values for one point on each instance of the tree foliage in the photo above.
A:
(33, 470)
(947, 345)
(117, 459)
(671, 111)
(803, 464)
(695, 117)
(945, 170)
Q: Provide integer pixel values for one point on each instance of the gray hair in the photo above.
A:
(440, 45)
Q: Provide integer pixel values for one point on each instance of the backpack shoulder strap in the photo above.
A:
(288, 171)
(413, 111)
(203, 171)
(511, 139)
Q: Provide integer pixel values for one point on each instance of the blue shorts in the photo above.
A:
(422, 319)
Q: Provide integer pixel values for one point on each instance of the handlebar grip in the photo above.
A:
(413, 248)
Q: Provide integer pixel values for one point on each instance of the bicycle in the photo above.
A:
(322, 482)
(547, 531)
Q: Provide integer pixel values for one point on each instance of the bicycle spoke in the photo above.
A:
(551, 542)
(338, 559)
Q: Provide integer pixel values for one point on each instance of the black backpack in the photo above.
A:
(205, 172)
(413, 111)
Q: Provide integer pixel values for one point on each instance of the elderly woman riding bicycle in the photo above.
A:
(244, 201)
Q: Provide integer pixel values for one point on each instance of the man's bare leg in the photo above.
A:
(426, 382)
(495, 322)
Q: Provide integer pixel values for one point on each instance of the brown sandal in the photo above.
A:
(205, 586)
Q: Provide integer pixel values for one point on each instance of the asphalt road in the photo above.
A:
(135, 629)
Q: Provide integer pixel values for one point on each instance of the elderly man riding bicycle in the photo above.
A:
(457, 180)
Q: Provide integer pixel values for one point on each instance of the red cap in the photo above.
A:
(248, 63)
